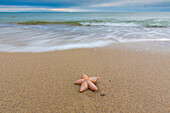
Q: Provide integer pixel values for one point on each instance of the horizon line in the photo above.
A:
(82, 12)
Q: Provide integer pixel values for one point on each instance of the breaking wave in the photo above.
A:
(143, 23)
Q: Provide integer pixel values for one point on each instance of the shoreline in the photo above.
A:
(44, 82)
(153, 46)
(146, 47)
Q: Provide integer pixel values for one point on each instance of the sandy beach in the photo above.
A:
(133, 82)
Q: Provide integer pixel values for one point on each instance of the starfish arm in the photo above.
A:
(80, 81)
(92, 86)
(84, 76)
(84, 86)
(94, 79)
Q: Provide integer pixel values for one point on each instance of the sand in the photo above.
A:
(44, 82)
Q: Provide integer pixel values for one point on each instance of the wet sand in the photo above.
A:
(44, 82)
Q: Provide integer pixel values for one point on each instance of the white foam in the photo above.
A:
(40, 48)
(109, 24)
(143, 40)
(52, 37)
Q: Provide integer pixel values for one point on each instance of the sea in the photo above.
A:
(42, 32)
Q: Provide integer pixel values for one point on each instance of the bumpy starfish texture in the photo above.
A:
(87, 82)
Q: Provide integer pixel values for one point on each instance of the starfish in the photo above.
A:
(87, 82)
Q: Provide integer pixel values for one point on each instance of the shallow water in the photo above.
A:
(40, 32)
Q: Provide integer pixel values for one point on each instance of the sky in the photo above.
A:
(84, 5)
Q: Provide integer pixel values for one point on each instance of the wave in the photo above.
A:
(117, 23)
(149, 23)
(35, 48)
(41, 48)
(45, 22)
(78, 23)
(122, 23)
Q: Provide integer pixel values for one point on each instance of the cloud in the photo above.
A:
(50, 3)
(6, 8)
(128, 2)
(82, 5)
(64, 10)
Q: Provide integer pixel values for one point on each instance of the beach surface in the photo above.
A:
(131, 81)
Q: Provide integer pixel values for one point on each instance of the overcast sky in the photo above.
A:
(84, 5)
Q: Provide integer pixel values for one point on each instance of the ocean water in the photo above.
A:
(41, 32)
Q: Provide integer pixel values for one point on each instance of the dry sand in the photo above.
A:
(43, 82)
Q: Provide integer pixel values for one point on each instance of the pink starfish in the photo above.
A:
(87, 82)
